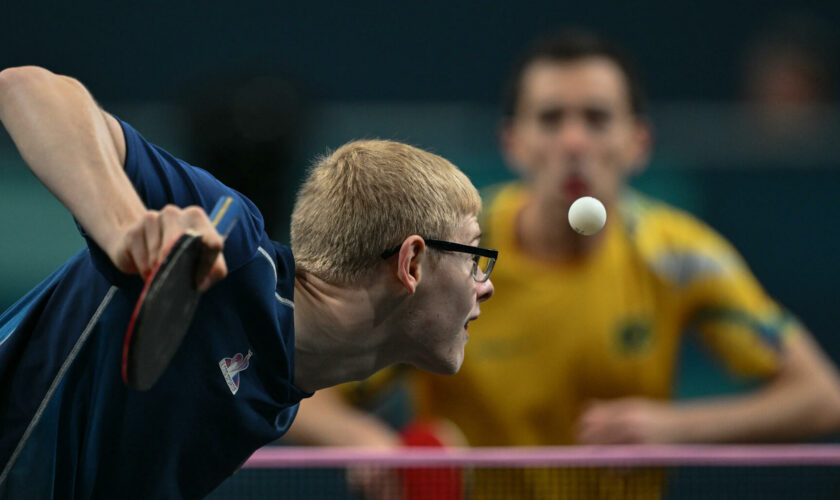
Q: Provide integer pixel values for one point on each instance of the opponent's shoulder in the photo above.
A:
(677, 245)
(501, 195)
(648, 216)
(501, 202)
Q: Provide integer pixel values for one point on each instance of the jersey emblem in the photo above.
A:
(634, 336)
(232, 366)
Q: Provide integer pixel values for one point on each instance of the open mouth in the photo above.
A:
(467, 324)
(575, 187)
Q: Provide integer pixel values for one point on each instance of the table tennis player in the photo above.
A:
(375, 280)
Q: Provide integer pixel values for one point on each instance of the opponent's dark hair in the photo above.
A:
(571, 45)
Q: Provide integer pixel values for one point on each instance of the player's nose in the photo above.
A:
(484, 290)
(573, 136)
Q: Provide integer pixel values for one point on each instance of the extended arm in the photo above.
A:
(326, 419)
(78, 152)
(72, 147)
(802, 401)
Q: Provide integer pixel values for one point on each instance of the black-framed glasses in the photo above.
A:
(483, 258)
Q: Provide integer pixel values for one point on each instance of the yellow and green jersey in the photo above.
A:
(608, 325)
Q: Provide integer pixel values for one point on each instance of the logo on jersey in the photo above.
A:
(633, 336)
(232, 366)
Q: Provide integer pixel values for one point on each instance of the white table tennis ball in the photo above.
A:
(587, 215)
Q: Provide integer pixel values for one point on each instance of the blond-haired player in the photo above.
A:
(388, 273)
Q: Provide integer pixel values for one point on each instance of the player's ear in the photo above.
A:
(509, 145)
(408, 261)
(640, 147)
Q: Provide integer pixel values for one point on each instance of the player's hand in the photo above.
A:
(142, 246)
(628, 421)
(375, 482)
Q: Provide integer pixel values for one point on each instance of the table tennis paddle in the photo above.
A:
(166, 306)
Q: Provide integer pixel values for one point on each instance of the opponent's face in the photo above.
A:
(574, 132)
(447, 299)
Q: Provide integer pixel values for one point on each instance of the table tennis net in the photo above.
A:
(623, 472)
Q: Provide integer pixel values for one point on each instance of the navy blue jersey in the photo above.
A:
(68, 425)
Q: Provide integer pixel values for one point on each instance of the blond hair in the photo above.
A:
(367, 197)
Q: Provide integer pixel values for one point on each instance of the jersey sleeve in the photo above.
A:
(738, 320)
(161, 179)
(722, 299)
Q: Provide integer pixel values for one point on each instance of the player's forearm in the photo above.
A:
(65, 140)
(326, 420)
(776, 414)
(803, 402)
(342, 430)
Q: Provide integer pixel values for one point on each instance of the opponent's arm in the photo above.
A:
(802, 401)
(326, 419)
(78, 152)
